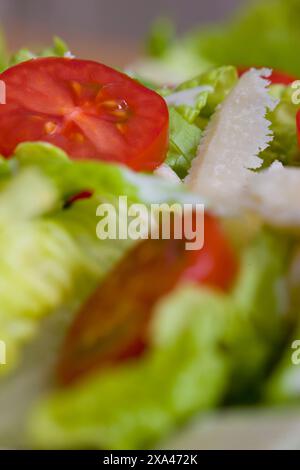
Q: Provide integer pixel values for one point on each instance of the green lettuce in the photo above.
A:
(58, 49)
(3, 53)
(40, 262)
(188, 121)
(262, 34)
(184, 141)
(134, 404)
(205, 347)
(284, 146)
(283, 387)
(261, 294)
(50, 253)
(160, 38)
(102, 178)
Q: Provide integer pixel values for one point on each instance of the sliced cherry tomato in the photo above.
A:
(112, 325)
(276, 77)
(87, 109)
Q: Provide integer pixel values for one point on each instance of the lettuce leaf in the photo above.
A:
(205, 347)
(134, 404)
(104, 179)
(184, 141)
(187, 122)
(58, 49)
(219, 82)
(40, 263)
(50, 254)
(284, 146)
(263, 34)
(283, 387)
(261, 293)
(160, 37)
(3, 52)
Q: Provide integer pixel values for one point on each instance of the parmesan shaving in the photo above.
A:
(164, 171)
(274, 194)
(235, 136)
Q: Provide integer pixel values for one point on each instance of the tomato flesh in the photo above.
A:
(87, 109)
(112, 325)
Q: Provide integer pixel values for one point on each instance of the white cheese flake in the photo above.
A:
(164, 171)
(274, 194)
(235, 136)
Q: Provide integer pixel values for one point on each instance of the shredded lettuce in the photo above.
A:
(284, 146)
(49, 253)
(219, 82)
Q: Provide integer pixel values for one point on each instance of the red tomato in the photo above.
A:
(279, 78)
(87, 109)
(78, 197)
(112, 325)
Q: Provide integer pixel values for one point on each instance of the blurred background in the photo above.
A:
(110, 30)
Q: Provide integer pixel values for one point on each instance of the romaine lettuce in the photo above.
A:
(284, 146)
(59, 49)
(262, 34)
(204, 347)
(50, 253)
(187, 122)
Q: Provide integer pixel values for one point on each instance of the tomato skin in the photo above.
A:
(78, 197)
(86, 108)
(215, 264)
(276, 78)
(113, 325)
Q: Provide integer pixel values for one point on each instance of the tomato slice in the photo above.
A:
(276, 77)
(112, 325)
(87, 109)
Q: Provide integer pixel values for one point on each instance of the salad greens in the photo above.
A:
(284, 146)
(66, 257)
(216, 343)
(283, 387)
(262, 34)
(59, 49)
(207, 348)
(187, 122)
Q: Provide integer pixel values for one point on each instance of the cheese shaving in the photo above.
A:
(235, 136)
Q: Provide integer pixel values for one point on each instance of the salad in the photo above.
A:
(118, 342)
